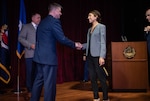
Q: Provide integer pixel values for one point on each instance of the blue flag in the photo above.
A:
(22, 20)
(4, 47)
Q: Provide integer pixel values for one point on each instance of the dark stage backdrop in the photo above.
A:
(120, 17)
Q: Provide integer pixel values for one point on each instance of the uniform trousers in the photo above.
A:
(45, 78)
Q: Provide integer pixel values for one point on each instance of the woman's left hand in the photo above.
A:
(101, 61)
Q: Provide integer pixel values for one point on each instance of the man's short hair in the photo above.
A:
(53, 5)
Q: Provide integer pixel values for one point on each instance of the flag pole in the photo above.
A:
(18, 86)
(17, 91)
(19, 52)
(18, 77)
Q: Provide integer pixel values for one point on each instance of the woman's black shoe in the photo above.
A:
(84, 80)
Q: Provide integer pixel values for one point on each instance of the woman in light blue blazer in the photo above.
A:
(96, 52)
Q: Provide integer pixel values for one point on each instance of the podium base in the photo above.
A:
(16, 91)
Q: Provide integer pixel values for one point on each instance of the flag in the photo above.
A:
(22, 20)
(4, 47)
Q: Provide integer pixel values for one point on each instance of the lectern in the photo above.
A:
(129, 65)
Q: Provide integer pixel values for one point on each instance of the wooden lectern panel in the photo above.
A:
(129, 72)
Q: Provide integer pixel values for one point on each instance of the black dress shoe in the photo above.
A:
(84, 80)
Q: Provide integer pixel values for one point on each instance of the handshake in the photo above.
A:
(78, 45)
(147, 29)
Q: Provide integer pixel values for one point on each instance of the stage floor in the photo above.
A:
(77, 91)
